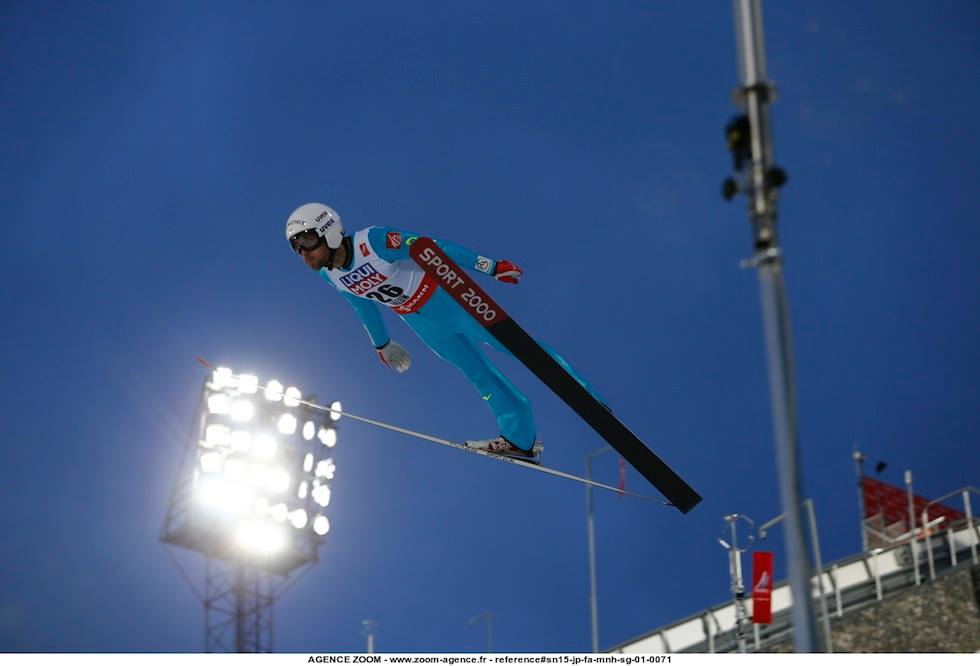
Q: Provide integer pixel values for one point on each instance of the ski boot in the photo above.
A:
(504, 447)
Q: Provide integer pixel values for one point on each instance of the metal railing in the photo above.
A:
(851, 583)
(971, 528)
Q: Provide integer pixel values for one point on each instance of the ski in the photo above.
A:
(498, 323)
(457, 445)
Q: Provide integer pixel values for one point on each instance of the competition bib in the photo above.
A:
(401, 286)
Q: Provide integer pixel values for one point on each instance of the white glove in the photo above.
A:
(394, 356)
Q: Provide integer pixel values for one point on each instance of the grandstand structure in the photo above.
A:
(930, 571)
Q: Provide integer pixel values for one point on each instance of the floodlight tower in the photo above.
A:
(250, 495)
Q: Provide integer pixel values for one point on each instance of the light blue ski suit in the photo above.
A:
(381, 271)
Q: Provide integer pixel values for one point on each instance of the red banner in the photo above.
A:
(456, 282)
(762, 587)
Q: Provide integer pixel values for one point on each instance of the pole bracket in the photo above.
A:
(766, 256)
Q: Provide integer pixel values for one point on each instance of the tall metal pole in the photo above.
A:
(735, 574)
(912, 540)
(815, 539)
(815, 542)
(489, 618)
(859, 473)
(240, 608)
(761, 186)
(207, 605)
(593, 600)
(969, 521)
(369, 627)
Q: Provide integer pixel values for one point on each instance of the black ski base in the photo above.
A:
(526, 349)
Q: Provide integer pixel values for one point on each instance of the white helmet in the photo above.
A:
(320, 218)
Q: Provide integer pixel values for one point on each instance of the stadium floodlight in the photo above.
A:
(292, 397)
(236, 469)
(279, 512)
(219, 403)
(328, 437)
(321, 495)
(211, 462)
(241, 440)
(217, 434)
(321, 525)
(223, 378)
(335, 405)
(273, 391)
(248, 383)
(217, 493)
(287, 424)
(298, 518)
(244, 499)
(242, 410)
(209, 490)
(279, 481)
(261, 537)
(265, 447)
(273, 479)
(326, 468)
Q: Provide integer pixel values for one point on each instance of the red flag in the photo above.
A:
(622, 475)
(762, 587)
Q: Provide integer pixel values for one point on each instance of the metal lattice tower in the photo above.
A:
(238, 608)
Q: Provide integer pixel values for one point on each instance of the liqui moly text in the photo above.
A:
(363, 279)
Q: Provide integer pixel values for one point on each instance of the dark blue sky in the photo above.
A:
(150, 154)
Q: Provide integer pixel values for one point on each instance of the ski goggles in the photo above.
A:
(308, 240)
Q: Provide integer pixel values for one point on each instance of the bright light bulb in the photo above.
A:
(279, 513)
(326, 468)
(223, 377)
(242, 410)
(335, 405)
(210, 491)
(248, 383)
(298, 519)
(321, 495)
(260, 537)
(328, 437)
(211, 462)
(219, 403)
(219, 494)
(236, 469)
(308, 462)
(303, 488)
(321, 525)
(241, 440)
(265, 447)
(309, 430)
(287, 424)
(278, 481)
(248, 538)
(292, 397)
(273, 391)
(217, 435)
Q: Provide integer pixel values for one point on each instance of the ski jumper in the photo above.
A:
(382, 272)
